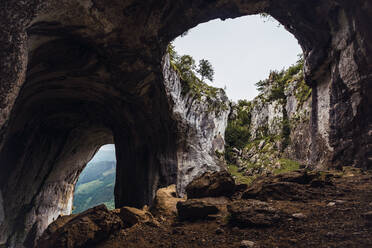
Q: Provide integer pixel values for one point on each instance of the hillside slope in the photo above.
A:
(95, 186)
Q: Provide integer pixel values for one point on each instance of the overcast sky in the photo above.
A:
(242, 51)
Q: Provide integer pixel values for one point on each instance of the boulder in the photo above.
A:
(83, 230)
(165, 203)
(247, 244)
(253, 213)
(293, 186)
(211, 185)
(131, 216)
(195, 209)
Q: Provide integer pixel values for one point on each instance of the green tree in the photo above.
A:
(205, 70)
(186, 65)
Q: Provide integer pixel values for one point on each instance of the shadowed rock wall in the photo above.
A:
(77, 74)
(201, 122)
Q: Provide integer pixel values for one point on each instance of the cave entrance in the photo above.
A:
(96, 182)
(262, 73)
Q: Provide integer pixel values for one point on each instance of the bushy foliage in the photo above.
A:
(237, 133)
(278, 80)
(192, 84)
(171, 50)
(205, 70)
(187, 68)
(271, 89)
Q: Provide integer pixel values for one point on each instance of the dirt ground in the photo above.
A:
(336, 218)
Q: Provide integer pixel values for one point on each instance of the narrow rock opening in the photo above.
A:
(96, 182)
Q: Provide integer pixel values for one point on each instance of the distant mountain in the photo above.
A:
(95, 186)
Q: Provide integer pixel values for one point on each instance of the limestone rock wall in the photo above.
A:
(201, 123)
(277, 124)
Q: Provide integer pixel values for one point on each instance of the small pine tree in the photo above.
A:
(205, 70)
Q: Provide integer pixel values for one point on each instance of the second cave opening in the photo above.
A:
(96, 182)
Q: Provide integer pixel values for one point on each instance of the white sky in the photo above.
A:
(242, 51)
(105, 153)
(109, 147)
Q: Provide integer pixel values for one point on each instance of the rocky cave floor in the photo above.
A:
(297, 209)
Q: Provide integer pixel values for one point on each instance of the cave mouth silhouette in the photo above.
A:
(74, 79)
(65, 111)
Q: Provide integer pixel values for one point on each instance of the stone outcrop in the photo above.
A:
(294, 186)
(78, 74)
(131, 216)
(196, 209)
(201, 123)
(211, 185)
(84, 230)
(165, 202)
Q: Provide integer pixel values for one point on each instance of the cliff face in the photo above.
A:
(201, 120)
(271, 132)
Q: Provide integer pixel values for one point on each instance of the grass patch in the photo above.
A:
(89, 187)
(239, 177)
(287, 165)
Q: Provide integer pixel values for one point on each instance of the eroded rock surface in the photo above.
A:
(165, 202)
(297, 185)
(201, 123)
(211, 185)
(86, 229)
(196, 209)
(131, 216)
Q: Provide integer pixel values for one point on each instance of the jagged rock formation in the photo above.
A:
(78, 74)
(272, 130)
(201, 123)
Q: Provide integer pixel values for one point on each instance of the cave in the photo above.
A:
(75, 75)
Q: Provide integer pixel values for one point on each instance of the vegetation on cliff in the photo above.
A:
(258, 135)
(192, 84)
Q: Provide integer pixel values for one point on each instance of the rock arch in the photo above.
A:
(77, 74)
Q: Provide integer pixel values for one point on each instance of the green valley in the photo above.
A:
(95, 186)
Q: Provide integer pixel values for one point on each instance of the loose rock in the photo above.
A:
(253, 213)
(131, 216)
(247, 244)
(89, 227)
(219, 230)
(211, 185)
(194, 209)
(165, 203)
(299, 216)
